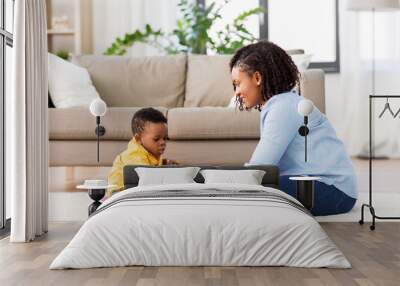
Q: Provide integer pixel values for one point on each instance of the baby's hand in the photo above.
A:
(170, 162)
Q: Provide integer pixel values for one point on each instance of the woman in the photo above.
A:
(264, 77)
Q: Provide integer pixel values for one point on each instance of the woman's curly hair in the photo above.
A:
(277, 69)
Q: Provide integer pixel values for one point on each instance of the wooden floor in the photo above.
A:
(375, 257)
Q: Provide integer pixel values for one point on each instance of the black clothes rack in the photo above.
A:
(371, 156)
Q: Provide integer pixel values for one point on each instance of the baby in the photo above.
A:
(149, 129)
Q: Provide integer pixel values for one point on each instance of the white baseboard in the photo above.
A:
(68, 206)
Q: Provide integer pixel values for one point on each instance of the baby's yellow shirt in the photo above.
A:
(135, 154)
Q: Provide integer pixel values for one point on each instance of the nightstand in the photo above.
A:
(96, 191)
(305, 190)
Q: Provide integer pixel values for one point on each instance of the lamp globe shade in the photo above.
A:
(305, 107)
(98, 107)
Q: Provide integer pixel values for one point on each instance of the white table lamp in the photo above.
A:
(98, 108)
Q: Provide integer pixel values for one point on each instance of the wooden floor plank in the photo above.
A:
(375, 257)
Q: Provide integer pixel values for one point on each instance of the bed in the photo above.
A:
(201, 224)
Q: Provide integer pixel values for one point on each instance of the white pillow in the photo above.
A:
(232, 102)
(165, 176)
(248, 177)
(69, 85)
(302, 61)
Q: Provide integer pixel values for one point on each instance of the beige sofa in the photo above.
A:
(192, 91)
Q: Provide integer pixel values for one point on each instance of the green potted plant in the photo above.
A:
(191, 34)
(63, 54)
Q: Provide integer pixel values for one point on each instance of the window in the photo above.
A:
(311, 25)
(6, 43)
(231, 10)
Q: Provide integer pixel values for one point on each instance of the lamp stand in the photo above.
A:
(303, 131)
(305, 184)
(305, 193)
(100, 131)
(96, 195)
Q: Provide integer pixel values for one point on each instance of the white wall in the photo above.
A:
(347, 92)
(112, 19)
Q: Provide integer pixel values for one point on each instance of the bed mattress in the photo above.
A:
(201, 225)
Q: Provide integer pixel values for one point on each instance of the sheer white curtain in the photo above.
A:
(355, 80)
(112, 19)
(26, 117)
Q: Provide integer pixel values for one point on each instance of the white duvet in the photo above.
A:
(200, 231)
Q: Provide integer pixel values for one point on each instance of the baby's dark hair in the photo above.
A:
(278, 71)
(144, 115)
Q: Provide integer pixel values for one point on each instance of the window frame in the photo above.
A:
(328, 67)
(6, 39)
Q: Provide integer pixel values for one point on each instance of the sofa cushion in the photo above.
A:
(312, 85)
(80, 124)
(137, 81)
(213, 123)
(208, 81)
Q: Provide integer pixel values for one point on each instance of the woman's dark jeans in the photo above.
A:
(328, 200)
